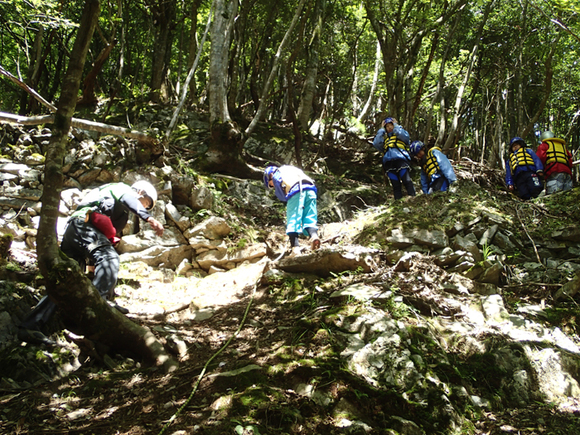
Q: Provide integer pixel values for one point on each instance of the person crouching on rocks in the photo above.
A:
(437, 174)
(91, 233)
(292, 186)
(523, 170)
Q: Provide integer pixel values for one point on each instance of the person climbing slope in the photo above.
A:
(292, 186)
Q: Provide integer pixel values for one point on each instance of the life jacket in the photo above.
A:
(431, 166)
(394, 142)
(556, 153)
(520, 158)
(292, 175)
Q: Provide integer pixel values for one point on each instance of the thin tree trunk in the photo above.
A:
(164, 14)
(193, 46)
(519, 105)
(434, 45)
(362, 115)
(33, 73)
(309, 88)
(122, 42)
(457, 109)
(89, 97)
(547, 89)
(66, 285)
(186, 86)
(266, 89)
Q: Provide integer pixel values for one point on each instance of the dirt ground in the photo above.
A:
(244, 366)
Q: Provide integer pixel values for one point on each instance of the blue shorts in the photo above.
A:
(301, 212)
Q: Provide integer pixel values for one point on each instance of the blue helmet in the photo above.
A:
(267, 172)
(517, 139)
(415, 147)
(389, 120)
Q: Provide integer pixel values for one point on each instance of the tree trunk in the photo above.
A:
(188, 80)
(120, 73)
(89, 98)
(547, 90)
(419, 93)
(193, 48)
(225, 151)
(362, 115)
(519, 100)
(221, 31)
(310, 80)
(268, 85)
(65, 282)
(457, 109)
(163, 16)
(28, 104)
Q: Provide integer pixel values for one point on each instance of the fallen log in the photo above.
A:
(76, 122)
(79, 123)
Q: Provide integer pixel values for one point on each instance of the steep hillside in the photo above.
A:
(431, 315)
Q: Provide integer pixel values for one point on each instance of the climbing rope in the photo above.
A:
(200, 377)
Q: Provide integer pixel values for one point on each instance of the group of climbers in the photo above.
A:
(525, 168)
(392, 140)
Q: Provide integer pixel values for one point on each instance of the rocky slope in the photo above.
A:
(434, 314)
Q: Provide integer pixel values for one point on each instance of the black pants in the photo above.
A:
(82, 241)
(528, 184)
(399, 173)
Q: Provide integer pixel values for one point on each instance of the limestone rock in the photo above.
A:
(212, 228)
(326, 261)
(201, 198)
(221, 258)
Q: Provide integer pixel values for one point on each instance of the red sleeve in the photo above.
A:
(541, 152)
(103, 224)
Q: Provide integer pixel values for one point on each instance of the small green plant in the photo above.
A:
(13, 267)
(359, 394)
(487, 251)
(203, 213)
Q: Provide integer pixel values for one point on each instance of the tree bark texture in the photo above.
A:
(81, 304)
(268, 85)
(218, 68)
(89, 83)
(163, 20)
(458, 100)
(311, 74)
(47, 246)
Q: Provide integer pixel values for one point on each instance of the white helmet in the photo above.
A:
(149, 190)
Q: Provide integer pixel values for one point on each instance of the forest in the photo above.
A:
(444, 313)
(466, 75)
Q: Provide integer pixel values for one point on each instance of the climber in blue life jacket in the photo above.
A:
(91, 233)
(523, 170)
(437, 174)
(292, 186)
(392, 141)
